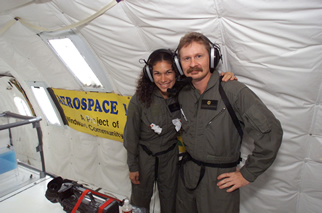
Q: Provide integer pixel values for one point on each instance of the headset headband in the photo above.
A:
(148, 67)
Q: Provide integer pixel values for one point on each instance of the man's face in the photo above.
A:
(194, 60)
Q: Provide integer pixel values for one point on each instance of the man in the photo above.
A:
(210, 179)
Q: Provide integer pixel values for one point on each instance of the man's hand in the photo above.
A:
(234, 180)
(134, 177)
(228, 76)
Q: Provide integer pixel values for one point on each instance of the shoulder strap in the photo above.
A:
(230, 110)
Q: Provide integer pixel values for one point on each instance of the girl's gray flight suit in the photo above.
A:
(137, 132)
(210, 136)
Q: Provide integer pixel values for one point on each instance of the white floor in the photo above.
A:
(23, 191)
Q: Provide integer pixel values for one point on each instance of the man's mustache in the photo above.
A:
(194, 69)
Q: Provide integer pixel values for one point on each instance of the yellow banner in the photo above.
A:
(99, 114)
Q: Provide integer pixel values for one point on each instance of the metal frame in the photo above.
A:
(27, 120)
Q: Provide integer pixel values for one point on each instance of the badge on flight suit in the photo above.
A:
(209, 104)
(174, 107)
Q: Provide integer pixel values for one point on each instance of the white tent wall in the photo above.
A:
(274, 47)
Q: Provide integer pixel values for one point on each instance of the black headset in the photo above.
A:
(214, 57)
(147, 69)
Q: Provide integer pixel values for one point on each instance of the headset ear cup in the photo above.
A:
(177, 64)
(217, 57)
(147, 72)
(212, 58)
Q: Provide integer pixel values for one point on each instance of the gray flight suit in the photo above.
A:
(210, 136)
(138, 132)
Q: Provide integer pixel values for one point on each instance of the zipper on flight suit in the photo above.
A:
(221, 111)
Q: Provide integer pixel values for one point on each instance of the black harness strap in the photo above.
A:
(230, 110)
(156, 165)
(203, 165)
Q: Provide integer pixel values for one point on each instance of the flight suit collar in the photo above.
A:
(157, 93)
(213, 81)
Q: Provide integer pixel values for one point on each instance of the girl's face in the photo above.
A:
(164, 77)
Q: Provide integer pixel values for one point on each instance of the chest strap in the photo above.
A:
(156, 164)
(230, 110)
(203, 165)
